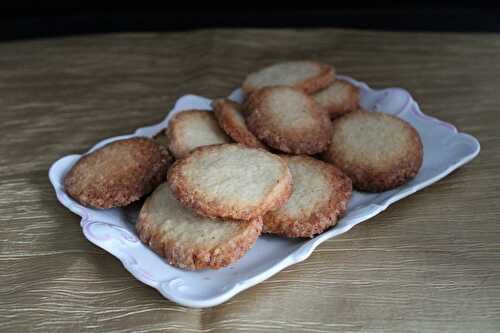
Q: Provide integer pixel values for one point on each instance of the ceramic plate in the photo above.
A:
(445, 149)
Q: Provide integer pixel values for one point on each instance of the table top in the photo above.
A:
(428, 263)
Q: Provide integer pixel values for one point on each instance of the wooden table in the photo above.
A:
(429, 263)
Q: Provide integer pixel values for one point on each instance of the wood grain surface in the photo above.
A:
(429, 263)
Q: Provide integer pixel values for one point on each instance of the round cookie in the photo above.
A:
(231, 181)
(119, 173)
(190, 241)
(307, 76)
(230, 119)
(339, 98)
(377, 151)
(191, 129)
(319, 198)
(288, 120)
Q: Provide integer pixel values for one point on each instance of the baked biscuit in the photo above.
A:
(377, 151)
(319, 198)
(230, 118)
(231, 181)
(191, 129)
(118, 173)
(289, 120)
(190, 241)
(339, 98)
(307, 76)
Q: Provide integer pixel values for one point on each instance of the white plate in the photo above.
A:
(445, 149)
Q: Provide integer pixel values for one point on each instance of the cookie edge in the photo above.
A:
(297, 142)
(275, 198)
(157, 176)
(197, 259)
(375, 181)
(313, 84)
(229, 126)
(327, 214)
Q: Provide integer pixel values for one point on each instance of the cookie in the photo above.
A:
(230, 118)
(339, 98)
(289, 120)
(190, 241)
(307, 76)
(191, 129)
(119, 173)
(377, 151)
(319, 198)
(231, 181)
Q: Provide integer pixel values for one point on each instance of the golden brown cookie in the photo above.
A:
(231, 181)
(230, 119)
(307, 76)
(339, 98)
(377, 151)
(118, 173)
(289, 120)
(190, 241)
(319, 198)
(191, 129)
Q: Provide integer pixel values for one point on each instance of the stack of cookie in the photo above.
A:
(284, 162)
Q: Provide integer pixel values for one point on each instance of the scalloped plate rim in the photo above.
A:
(300, 254)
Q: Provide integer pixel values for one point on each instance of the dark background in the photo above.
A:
(36, 19)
